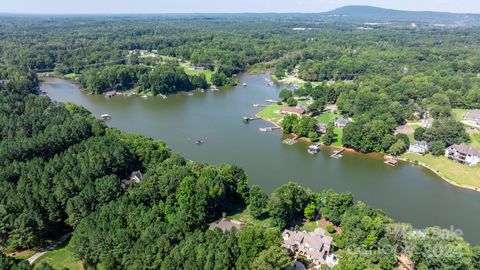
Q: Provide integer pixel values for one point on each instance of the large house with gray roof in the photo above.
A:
(463, 153)
(315, 246)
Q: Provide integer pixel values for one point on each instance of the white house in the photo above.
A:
(463, 153)
(419, 147)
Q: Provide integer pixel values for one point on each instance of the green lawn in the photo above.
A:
(245, 217)
(309, 226)
(475, 140)
(61, 258)
(458, 114)
(270, 113)
(325, 118)
(339, 137)
(453, 171)
(208, 73)
(71, 75)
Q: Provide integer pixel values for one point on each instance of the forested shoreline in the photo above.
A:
(63, 170)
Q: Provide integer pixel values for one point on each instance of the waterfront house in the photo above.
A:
(315, 246)
(426, 122)
(419, 147)
(321, 128)
(226, 225)
(342, 122)
(135, 177)
(463, 153)
(292, 110)
(472, 115)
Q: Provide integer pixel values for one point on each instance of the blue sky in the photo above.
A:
(215, 6)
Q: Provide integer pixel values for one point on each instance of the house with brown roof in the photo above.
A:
(226, 225)
(472, 115)
(463, 153)
(298, 111)
(315, 246)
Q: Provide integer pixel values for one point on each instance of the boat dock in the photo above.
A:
(268, 129)
(314, 149)
(391, 161)
(271, 101)
(337, 153)
(289, 141)
(260, 105)
(247, 119)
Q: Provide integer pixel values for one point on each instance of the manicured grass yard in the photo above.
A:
(455, 172)
(245, 217)
(475, 140)
(458, 114)
(71, 75)
(271, 113)
(61, 258)
(208, 73)
(325, 117)
(338, 139)
(309, 226)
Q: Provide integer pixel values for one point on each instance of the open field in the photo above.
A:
(453, 172)
(61, 258)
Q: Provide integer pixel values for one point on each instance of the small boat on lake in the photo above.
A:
(105, 116)
(199, 142)
(314, 149)
(244, 84)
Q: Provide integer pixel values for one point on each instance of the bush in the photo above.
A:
(331, 229)
(438, 148)
(292, 102)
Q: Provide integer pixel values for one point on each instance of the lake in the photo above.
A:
(406, 192)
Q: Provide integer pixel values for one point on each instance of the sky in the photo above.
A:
(222, 6)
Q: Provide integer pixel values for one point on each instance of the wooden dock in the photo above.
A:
(247, 119)
(268, 129)
(390, 161)
(337, 153)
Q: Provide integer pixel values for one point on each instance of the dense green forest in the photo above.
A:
(62, 170)
(161, 223)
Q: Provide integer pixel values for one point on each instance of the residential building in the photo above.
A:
(419, 147)
(463, 153)
(292, 110)
(135, 177)
(472, 115)
(426, 122)
(342, 122)
(321, 128)
(226, 225)
(315, 246)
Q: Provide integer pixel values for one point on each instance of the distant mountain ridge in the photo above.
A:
(377, 13)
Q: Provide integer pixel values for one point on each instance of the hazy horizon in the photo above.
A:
(218, 6)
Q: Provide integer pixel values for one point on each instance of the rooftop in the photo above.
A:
(226, 225)
(464, 149)
(298, 110)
